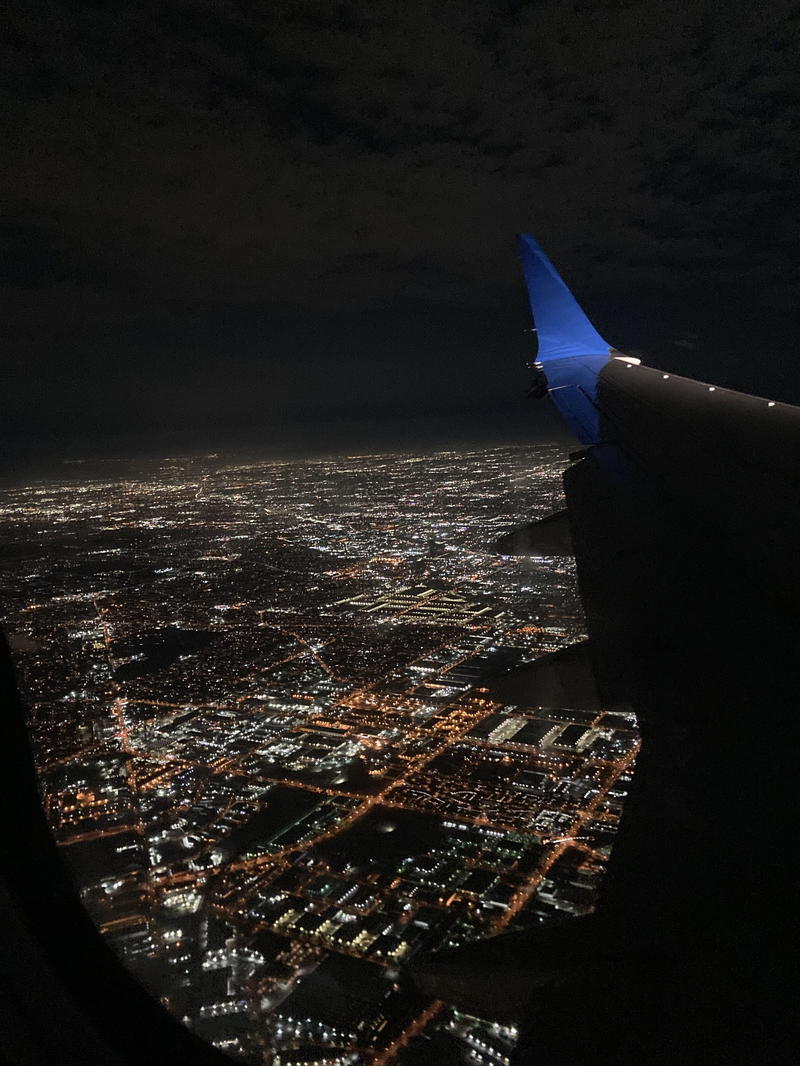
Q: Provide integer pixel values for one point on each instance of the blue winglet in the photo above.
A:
(561, 326)
(571, 351)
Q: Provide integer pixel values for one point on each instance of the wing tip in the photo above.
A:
(563, 328)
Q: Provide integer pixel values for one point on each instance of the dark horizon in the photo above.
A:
(78, 458)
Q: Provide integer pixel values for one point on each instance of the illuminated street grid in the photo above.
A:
(257, 698)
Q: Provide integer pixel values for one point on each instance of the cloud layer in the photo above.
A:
(264, 211)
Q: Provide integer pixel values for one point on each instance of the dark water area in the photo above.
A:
(158, 649)
(284, 806)
(353, 777)
(89, 861)
(383, 837)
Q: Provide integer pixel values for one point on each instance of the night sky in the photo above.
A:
(294, 222)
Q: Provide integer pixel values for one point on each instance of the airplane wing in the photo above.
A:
(684, 515)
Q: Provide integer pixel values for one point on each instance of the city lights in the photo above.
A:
(263, 722)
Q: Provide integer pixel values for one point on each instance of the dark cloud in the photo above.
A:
(272, 211)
